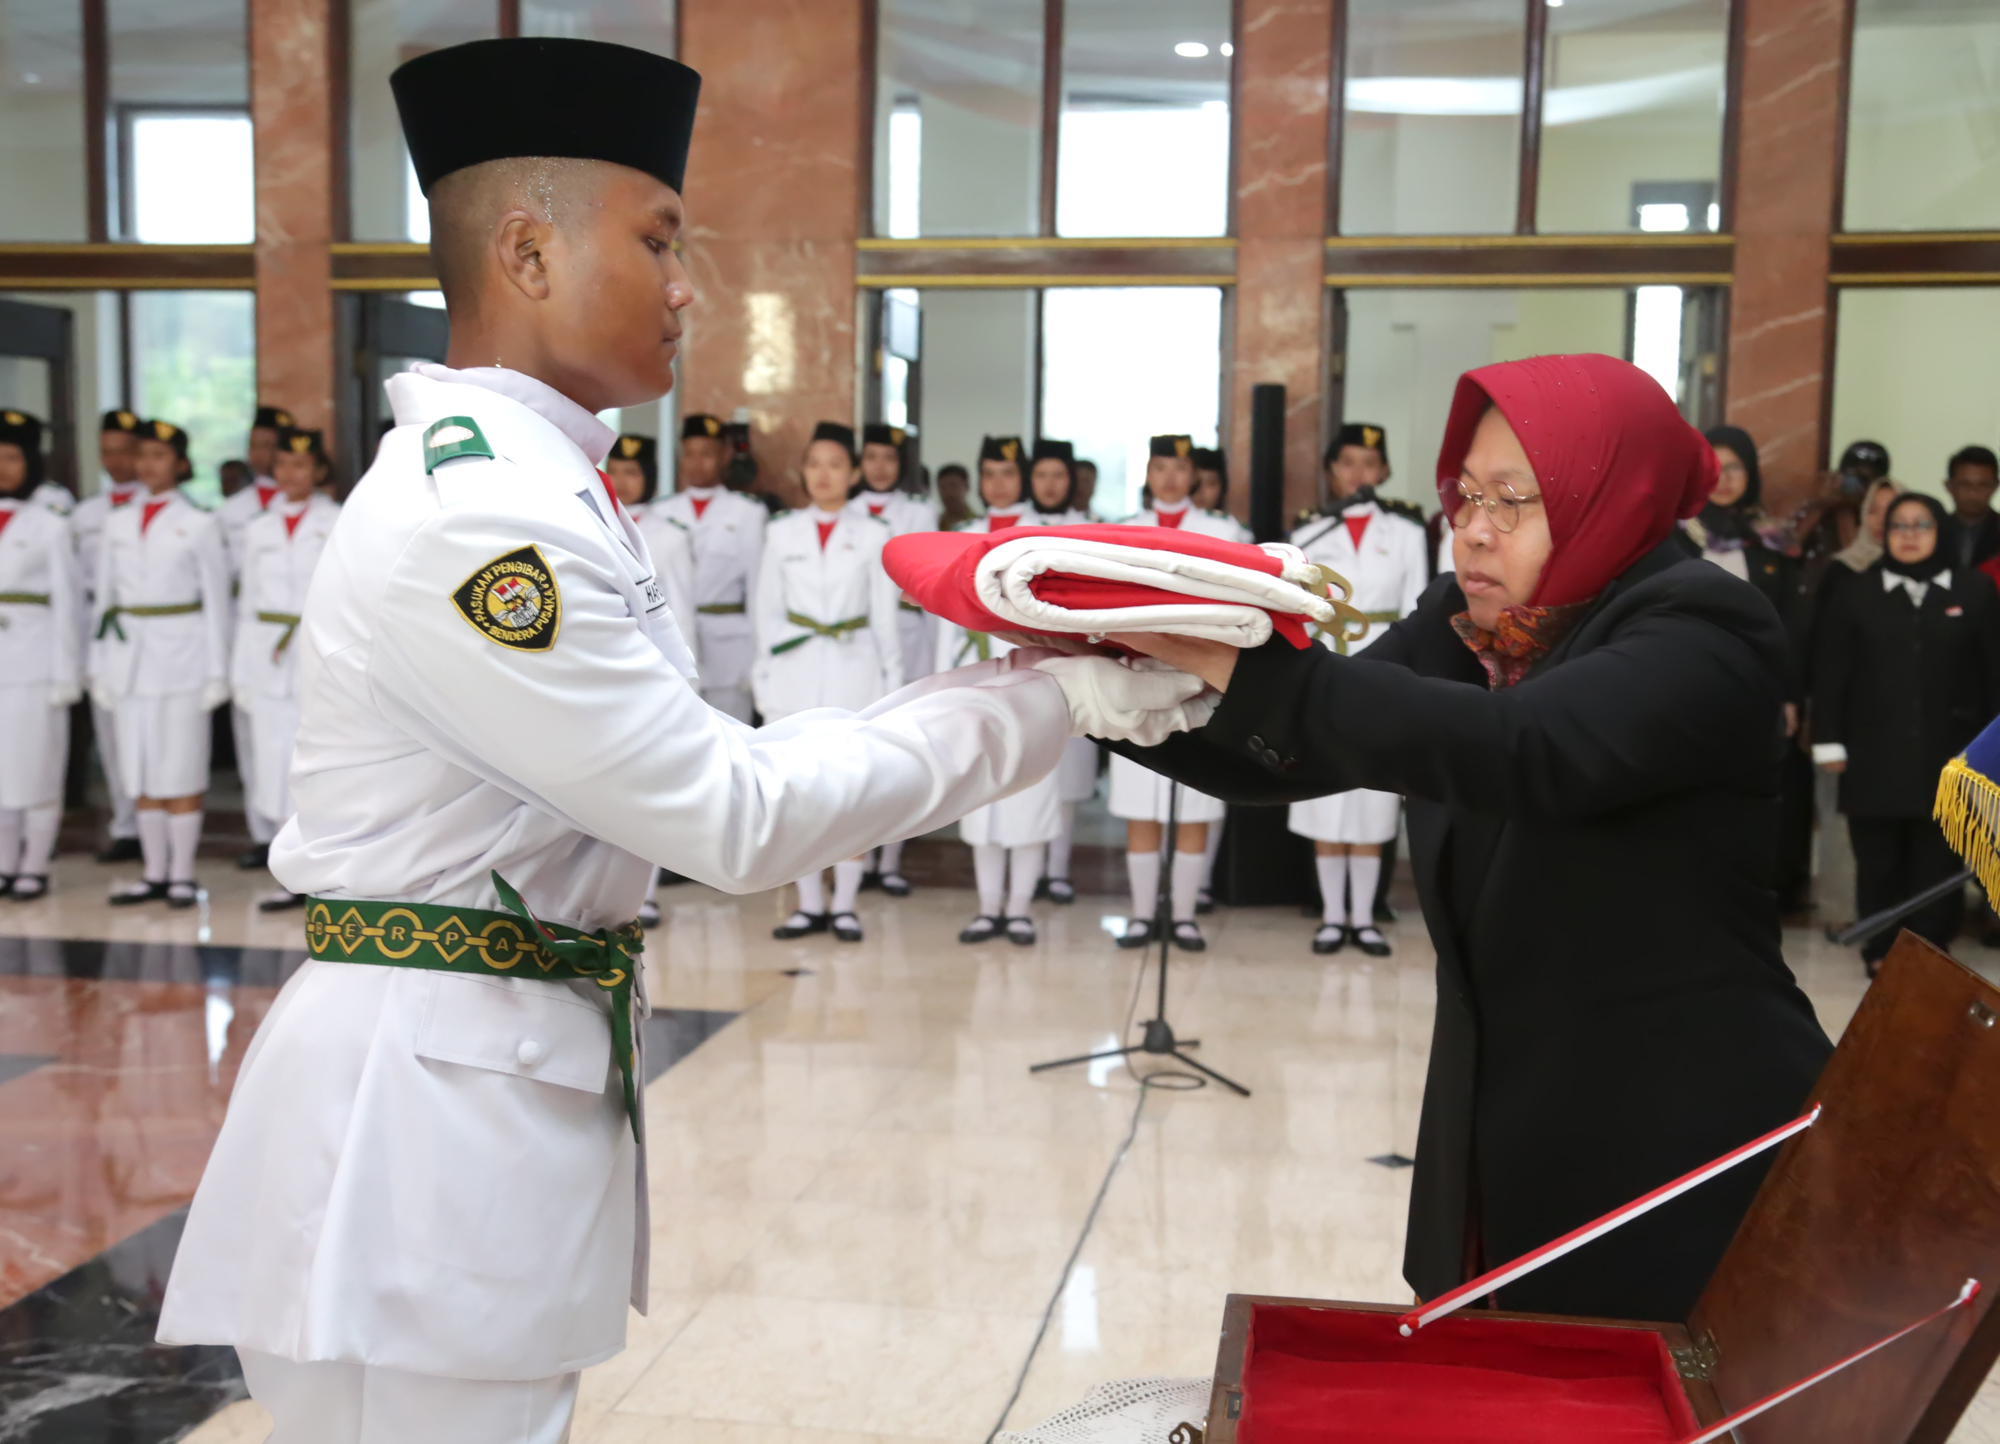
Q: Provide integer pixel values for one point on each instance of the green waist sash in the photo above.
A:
(721, 609)
(110, 621)
(1373, 619)
(24, 599)
(515, 943)
(289, 621)
(909, 606)
(833, 630)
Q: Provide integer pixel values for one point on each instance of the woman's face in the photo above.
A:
(999, 483)
(1734, 480)
(1498, 569)
(881, 466)
(829, 474)
(1050, 479)
(1878, 510)
(1170, 479)
(296, 472)
(1207, 489)
(1912, 532)
(13, 469)
(158, 466)
(628, 479)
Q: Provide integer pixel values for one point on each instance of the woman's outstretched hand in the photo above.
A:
(1213, 662)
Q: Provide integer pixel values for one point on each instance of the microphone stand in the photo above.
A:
(1158, 1038)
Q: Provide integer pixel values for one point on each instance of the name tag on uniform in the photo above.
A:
(1954, 611)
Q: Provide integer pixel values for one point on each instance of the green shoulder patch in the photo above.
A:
(513, 600)
(451, 438)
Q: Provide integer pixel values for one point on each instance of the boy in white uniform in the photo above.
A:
(727, 529)
(280, 551)
(1052, 483)
(827, 636)
(1383, 557)
(117, 452)
(159, 659)
(238, 510)
(40, 673)
(423, 1214)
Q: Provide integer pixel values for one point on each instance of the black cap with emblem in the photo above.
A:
(121, 420)
(1359, 433)
(1171, 445)
(877, 433)
(18, 428)
(1000, 448)
(701, 425)
(298, 439)
(271, 418)
(644, 452)
(539, 96)
(839, 435)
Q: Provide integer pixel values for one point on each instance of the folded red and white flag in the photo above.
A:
(1100, 578)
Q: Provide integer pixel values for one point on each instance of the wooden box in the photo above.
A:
(1867, 1221)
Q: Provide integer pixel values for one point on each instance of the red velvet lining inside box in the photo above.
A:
(1313, 1376)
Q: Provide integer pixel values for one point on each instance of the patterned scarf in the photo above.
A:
(1525, 635)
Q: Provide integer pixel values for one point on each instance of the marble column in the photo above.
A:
(1787, 194)
(292, 108)
(1283, 51)
(772, 206)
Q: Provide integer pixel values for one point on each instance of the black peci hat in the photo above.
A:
(1000, 448)
(168, 432)
(1358, 433)
(701, 424)
(1050, 450)
(1172, 446)
(534, 96)
(838, 434)
(120, 420)
(877, 433)
(271, 418)
(298, 439)
(643, 450)
(1207, 458)
(22, 430)
(1871, 454)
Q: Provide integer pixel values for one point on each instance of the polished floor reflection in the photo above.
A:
(865, 1207)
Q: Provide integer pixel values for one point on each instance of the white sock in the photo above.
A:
(1058, 864)
(11, 820)
(1332, 886)
(40, 843)
(1026, 863)
(892, 859)
(989, 875)
(847, 884)
(153, 842)
(1208, 856)
(812, 895)
(1187, 882)
(183, 836)
(652, 883)
(1363, 873)
(1144, 869)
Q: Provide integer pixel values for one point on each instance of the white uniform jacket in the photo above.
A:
(903, 512)
(839, 585)
(671, 545)
(399, 1181)
(176, 561)
(728, 539)
(41, 598)
(1194, 519)
(238, 510)
(1388, 571)
(86, 524)
(277, 566)
(917, 629)
(55, 497)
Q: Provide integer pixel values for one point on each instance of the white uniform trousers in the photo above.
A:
(273, 731)
(37, 748)
(124, 812)
(1362, 815)
(162, 744)
(333, 1403)
(261, 825)
(919, 635)
(1139, 794)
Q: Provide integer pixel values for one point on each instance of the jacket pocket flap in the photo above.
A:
(532, 1030)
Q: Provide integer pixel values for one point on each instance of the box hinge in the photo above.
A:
(1697, 1360)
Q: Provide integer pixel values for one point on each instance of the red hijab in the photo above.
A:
(1617, 464)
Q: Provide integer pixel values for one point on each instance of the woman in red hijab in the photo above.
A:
(1586, 722)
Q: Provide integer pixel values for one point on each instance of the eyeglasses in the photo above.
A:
(1912, 528)
(1504, 509)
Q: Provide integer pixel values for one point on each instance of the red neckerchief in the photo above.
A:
(700, 505)
(1357, 525)
(826, 530)
(611, 493)
(153, 509)
(1000, 523)
(1525, 635)
(1171, 518)
(264, 495)
(292, 520)
(876, 508)
(6, 515)
(119, 498)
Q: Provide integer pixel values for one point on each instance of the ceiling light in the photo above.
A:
(1227, 48)
(1191, 49)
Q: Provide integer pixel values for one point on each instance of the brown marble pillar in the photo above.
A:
(772, 217)
(292, 108)
(1283, 52)
(1787, 194)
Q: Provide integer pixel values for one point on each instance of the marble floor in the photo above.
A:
(870, 1220)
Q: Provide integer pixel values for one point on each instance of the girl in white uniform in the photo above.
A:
(1139, 795)
(160, 659)
(117, 448)
(1383, 556)
(278, 552)
(726, 530)
(1009, 838)
(1052, 483)
(40, 671)
(825, 618)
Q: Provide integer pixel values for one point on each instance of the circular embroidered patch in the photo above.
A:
(513, 600)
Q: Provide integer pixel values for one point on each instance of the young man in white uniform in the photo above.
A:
(1383, 557)
(117, 452)
(159, 659)
(40, 670)
(237, 512)
(727, 529)
(424, 1212)
(280, 551)
(1052, 485)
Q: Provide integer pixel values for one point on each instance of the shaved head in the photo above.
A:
(467, 205)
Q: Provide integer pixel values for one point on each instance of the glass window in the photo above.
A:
(194, 363)
(1913, 369)
(1122, 365)
(96, 370)
(42, 170)
(1431, 136)
(385, 204)
(1923, 116)
(977, 373)
(190, 177)
(958, 117)
(1634, 99)
(1145, 119)
(180, 104)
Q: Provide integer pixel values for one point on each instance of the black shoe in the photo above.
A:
(670, 878)
(1057, 890)
(1371, 942)
(280, 900)
(870, 880)
(847, 927)
(6, 885)
(1384, 913)
(895, 884)
(982, 929)
(798, 925)
(1204, 903)
(182, 894)
(28, 886)
(1331, 938)
(252, 858)
(1138, 933)
(649, 914)
(121, 849)
(1021, 932)
(1188, 938)
(137, 892)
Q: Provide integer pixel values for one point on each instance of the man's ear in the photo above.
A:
(520, 241)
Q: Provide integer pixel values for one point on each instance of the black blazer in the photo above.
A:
(1904, 687)
(1776, 578)
(1593, 848)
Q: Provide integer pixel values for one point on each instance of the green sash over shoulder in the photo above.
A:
(514, 943)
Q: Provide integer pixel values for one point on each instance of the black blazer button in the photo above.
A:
(1256, 744)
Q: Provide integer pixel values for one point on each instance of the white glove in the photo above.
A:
(214, 692)
(65, 694)
(1143, 701)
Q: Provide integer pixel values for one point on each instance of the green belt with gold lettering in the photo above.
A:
(833, 630)
(721, 609)
(1373, 619)
(289, 621)
(172, 609)
(510, 944)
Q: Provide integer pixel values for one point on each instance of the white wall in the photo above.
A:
(1918, 371)
(978, 372)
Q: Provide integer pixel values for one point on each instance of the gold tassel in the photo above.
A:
(1968, 812)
